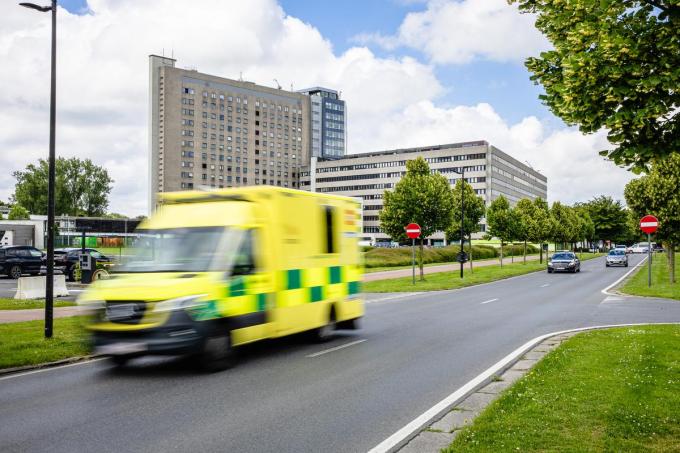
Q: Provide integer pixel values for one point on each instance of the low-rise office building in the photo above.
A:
(489, 171)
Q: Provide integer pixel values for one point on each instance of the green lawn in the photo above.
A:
(613, 390)
(23, 304)
(661, 287)
(23, 343)
(452, 280)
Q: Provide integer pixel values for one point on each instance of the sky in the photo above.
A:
(413, 73)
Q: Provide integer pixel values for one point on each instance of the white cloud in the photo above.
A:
(460, 31)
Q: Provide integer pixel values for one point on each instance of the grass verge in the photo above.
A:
(661, 287)
(452, 280)
(24, 304)
(23, 343)
(608, 390)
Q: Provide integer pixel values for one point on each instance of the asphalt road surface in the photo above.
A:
(294, 396)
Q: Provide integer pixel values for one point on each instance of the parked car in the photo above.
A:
(16, 260)
(564, 261)
(617, 257)
(66, 260)
(657, 248)
(641, 247)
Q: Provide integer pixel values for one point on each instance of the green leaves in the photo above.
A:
(82, 188)
(615, 65)
(420, 197)
(18, 212)
(474, 211)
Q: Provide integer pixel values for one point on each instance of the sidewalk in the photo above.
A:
(7, 316)
(384, 275)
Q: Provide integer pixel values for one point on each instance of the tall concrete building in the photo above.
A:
(329, 123)
(211, 131)
(490, 172)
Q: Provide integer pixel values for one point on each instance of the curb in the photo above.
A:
(68, 361)
(408, 433)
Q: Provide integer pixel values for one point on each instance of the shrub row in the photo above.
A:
(401, 256)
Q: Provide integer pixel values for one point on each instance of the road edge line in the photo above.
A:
(14, 372)
(413, 428)
(606, 292)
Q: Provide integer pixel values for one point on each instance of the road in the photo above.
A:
(293, 396)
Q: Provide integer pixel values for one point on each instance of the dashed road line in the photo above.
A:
(337, 348)
(545, 285)
(488, 301)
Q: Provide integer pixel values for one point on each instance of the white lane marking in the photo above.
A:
(545, 285)
(403, 435)
(51, 368)
(611, 299)
(606, 292)
(400, 296)
(326, 351)
(488, 301)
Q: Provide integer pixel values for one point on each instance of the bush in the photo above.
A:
(401, 256)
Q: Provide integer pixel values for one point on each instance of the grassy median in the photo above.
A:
(23, 343)
(661, 287)
(609, 390)
(452, 280)
(24, 304)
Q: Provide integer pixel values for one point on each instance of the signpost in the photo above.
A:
(413, 231)
(649, 224)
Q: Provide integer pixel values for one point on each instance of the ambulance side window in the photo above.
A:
(244, 263)
(329, 221)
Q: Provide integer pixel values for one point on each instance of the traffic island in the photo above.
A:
(637, 285)
(602, 390)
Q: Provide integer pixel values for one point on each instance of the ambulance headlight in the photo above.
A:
(180, 303)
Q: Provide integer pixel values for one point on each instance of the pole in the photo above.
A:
(49, 280)
(413, 258)
(649, 258)
(462, 217)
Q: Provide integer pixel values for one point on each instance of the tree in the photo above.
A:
(474, 211)
(566, 227)
(609, 217)
(82, 188)
(420, 197)
(499, 219)
(526, 218)
(543, 224)
(18, 212)
(657, 194)
(614, 65)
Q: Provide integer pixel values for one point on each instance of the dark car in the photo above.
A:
(16, 260)
(66, 260)
(564, 261)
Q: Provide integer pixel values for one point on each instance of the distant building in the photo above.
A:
(489, 171)
(328, 123)
(211, 131)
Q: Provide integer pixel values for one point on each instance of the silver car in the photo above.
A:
(617, 257)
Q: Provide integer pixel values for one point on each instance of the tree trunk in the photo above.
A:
(420, 261)
(512, 253)
(501, 253)
(525, 251)
(672, 266)
(540, 252)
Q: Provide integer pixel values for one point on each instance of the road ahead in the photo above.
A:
(285, 396)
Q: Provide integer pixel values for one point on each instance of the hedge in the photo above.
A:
(401, 256)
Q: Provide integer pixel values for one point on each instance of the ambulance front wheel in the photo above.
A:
(217, 353)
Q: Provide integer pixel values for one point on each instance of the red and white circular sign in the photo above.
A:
(649, 224)
(413, 230)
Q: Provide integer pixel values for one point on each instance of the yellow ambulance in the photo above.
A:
(213, 270)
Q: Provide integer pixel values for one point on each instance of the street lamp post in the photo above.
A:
(462, 217)
(49, 284)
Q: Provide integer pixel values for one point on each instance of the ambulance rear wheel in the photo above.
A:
(325, 332)
(217, 354)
